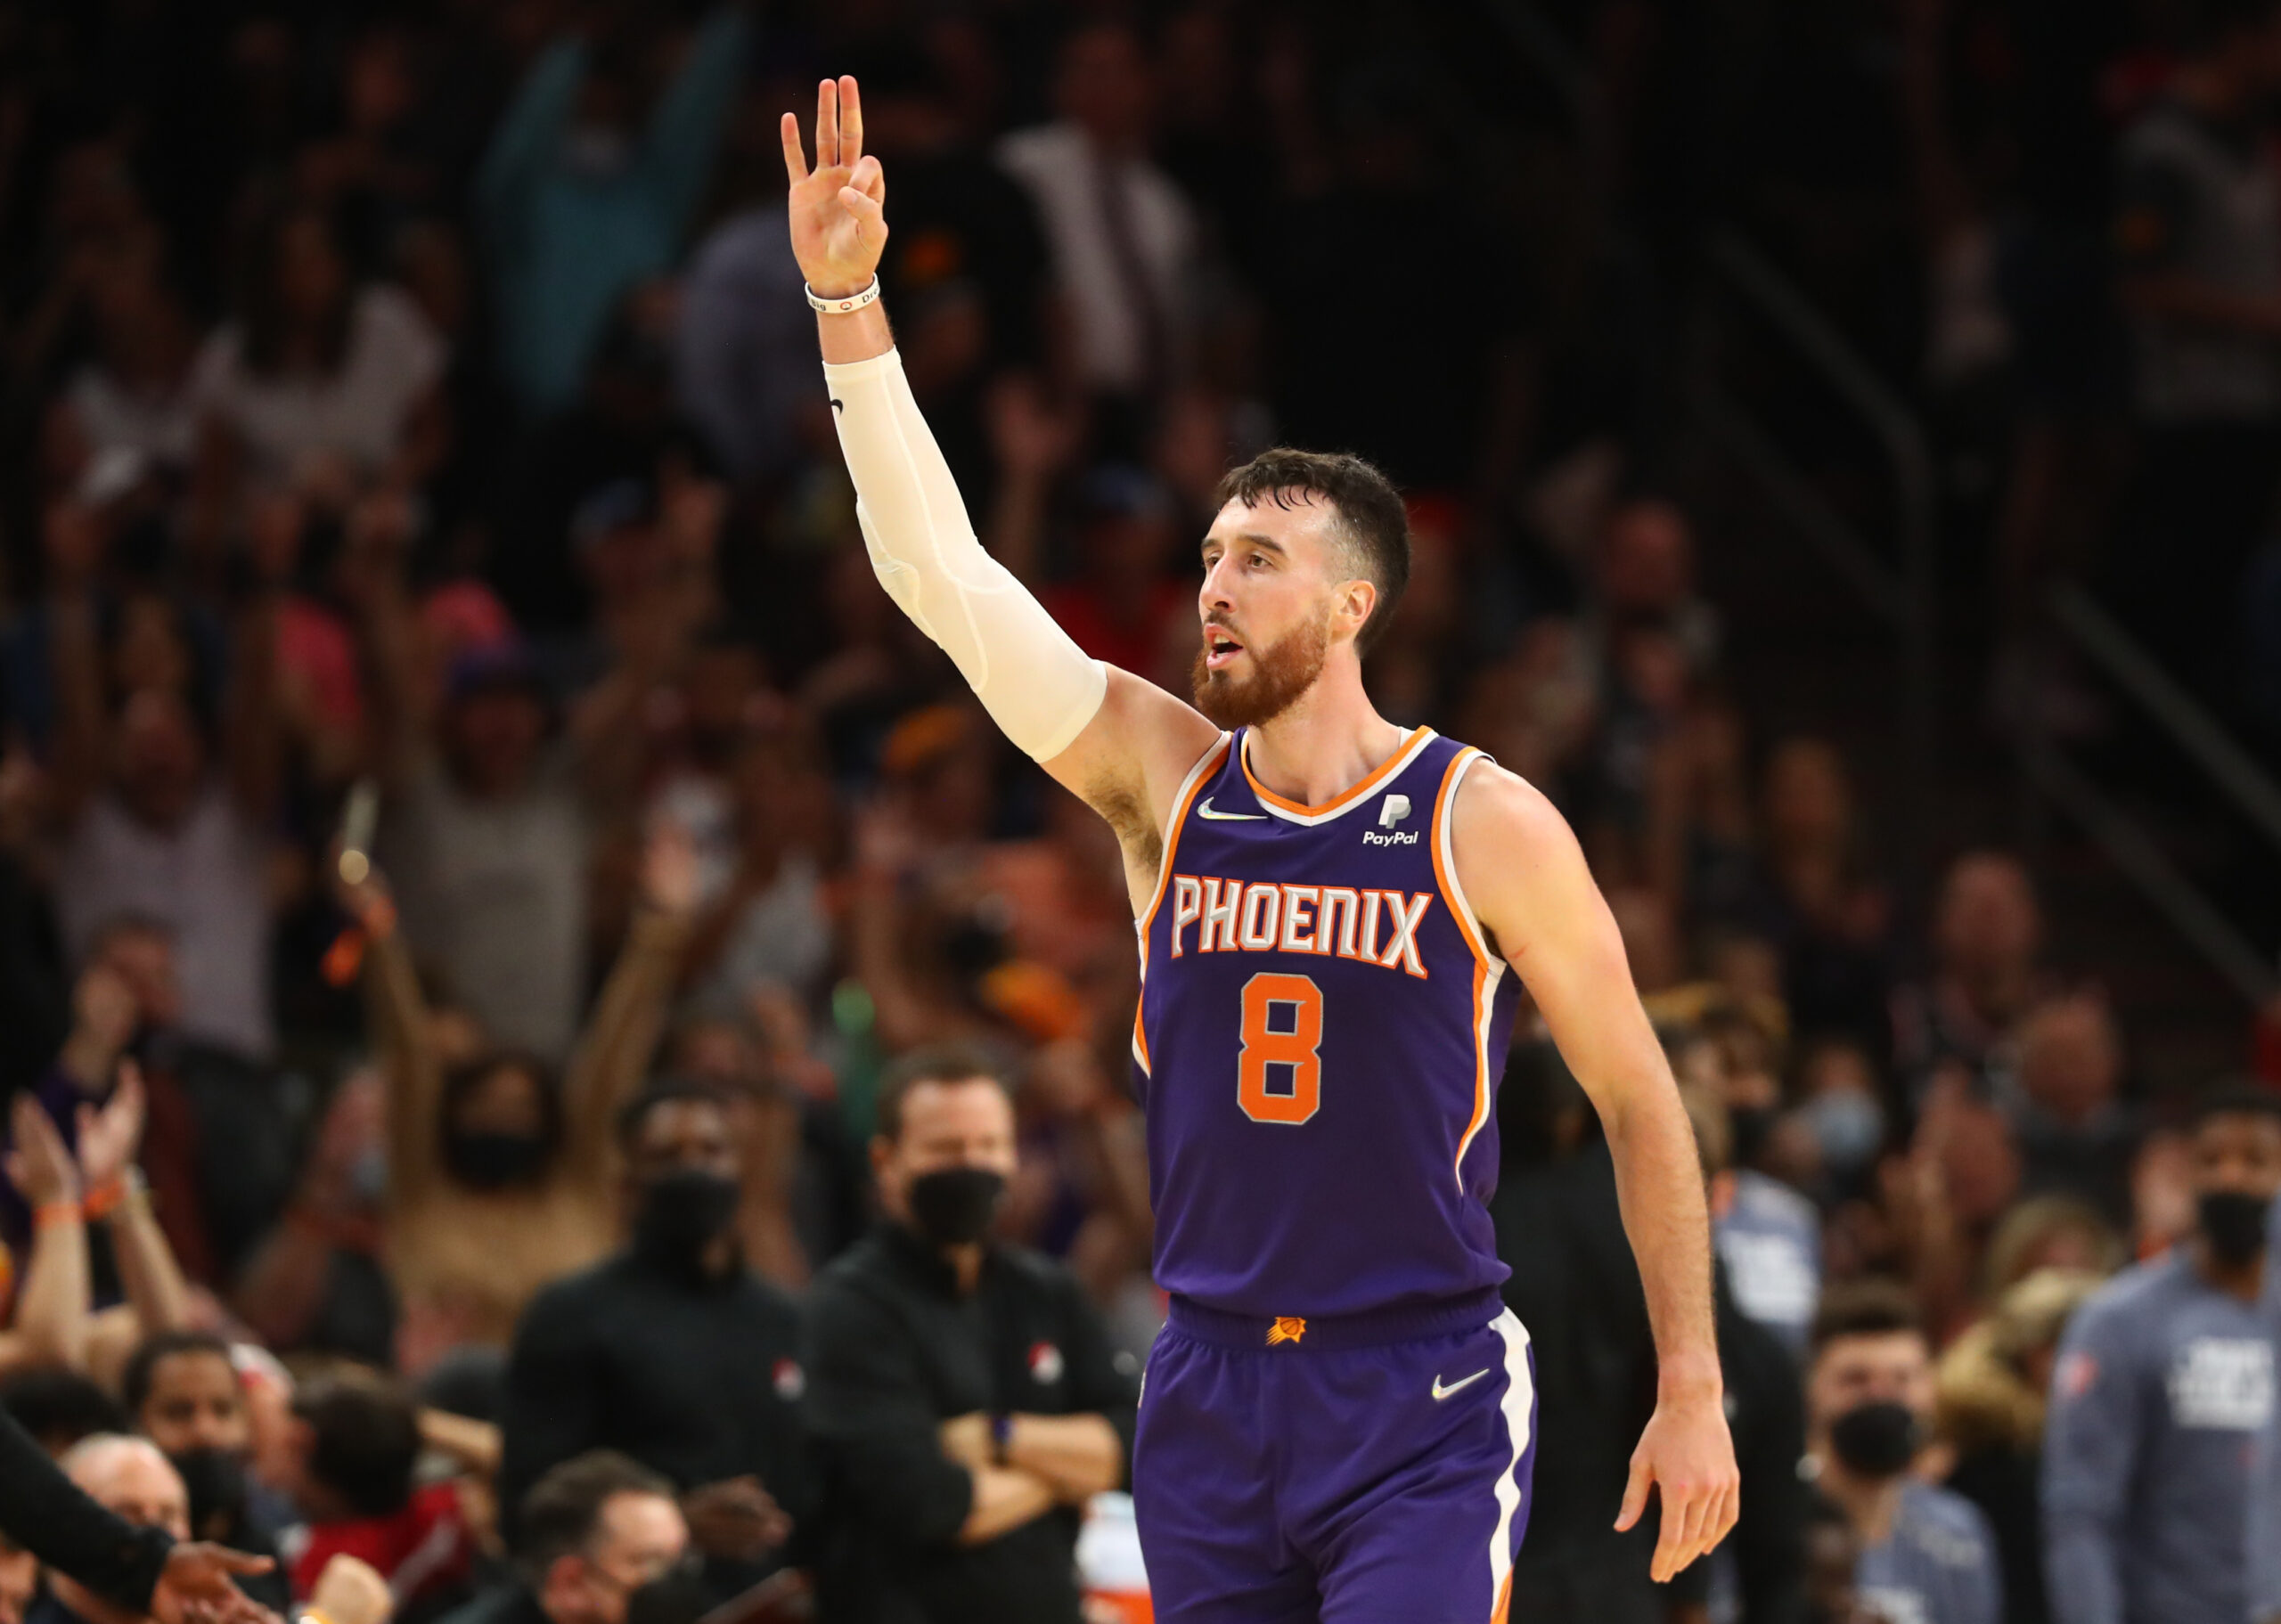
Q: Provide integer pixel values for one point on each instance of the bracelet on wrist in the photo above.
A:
(846, 304)
(1002, 1437)
(51, 1212)
(113, 1194)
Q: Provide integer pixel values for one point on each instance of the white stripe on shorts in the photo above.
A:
(1519, 1403)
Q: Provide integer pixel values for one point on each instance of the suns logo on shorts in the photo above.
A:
(1290, 1328)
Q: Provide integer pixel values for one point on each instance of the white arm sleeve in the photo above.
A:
(1038, 685)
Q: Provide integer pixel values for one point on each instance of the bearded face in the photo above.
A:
(1250, 693)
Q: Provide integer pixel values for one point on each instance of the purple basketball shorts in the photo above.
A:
(1354, 1472)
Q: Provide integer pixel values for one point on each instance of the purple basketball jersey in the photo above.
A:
(1321, 1033)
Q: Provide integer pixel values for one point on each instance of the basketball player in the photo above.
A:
(1336, 1422)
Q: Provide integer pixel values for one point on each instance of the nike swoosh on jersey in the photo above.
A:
(1205, 811)
(1441, 1392)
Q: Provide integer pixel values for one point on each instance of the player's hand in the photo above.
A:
(197, 1586)
(1687, 1456)
(838, 209)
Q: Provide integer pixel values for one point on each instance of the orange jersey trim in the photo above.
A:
(1341, 802)
(1206, 767)
(1453, 899)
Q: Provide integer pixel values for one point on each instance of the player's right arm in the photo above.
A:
(1121, 743)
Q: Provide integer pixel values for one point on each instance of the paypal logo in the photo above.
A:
(1392, 810)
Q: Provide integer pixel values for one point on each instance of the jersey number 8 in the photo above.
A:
(1282, 1039)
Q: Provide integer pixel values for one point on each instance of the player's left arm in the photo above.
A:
(1526, 880)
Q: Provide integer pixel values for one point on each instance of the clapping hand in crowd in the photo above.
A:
(40, 1165)
(110, 1134)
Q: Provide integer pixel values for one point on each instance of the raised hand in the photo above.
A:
(109, 1137)
(39, 1166)
(839, 227)
(672, 870)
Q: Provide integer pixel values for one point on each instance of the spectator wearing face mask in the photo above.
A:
(673, 1351)
(1927, 1555)
(498, 1182)
(2164, 1380)
(966, 1401)
(182, 1392)
(592, 1531)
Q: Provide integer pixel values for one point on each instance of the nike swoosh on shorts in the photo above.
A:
(1441, 1392)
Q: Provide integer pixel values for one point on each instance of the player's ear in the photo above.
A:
(1354, 603)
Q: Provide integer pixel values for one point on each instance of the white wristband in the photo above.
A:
(849, 306)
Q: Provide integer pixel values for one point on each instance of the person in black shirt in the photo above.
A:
(964, 1400)
(672, 1351)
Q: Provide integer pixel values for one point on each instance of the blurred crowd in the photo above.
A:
(479, 855)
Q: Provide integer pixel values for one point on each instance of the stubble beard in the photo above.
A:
(1287, 669)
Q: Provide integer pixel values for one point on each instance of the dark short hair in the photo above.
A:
(1371, 519)
(931, 1063)
(59, 1407)
(633, 1115)
(1864, 1308)
(564, 1507)
(143, 1364)
(366, 1439)
(2235, 1098)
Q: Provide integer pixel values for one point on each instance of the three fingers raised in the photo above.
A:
(839, 130)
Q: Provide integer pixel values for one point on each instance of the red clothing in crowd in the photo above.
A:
(424, 1549)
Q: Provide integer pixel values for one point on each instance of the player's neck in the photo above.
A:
(1328, 742)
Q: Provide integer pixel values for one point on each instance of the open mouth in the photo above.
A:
(1220, 649)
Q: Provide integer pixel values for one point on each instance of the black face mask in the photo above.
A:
(216, 1483)
(494, 1161)
(682, 1213)
(1753, 1126)
(2234, 1224)
(1875, 1440)
(952, 1206)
